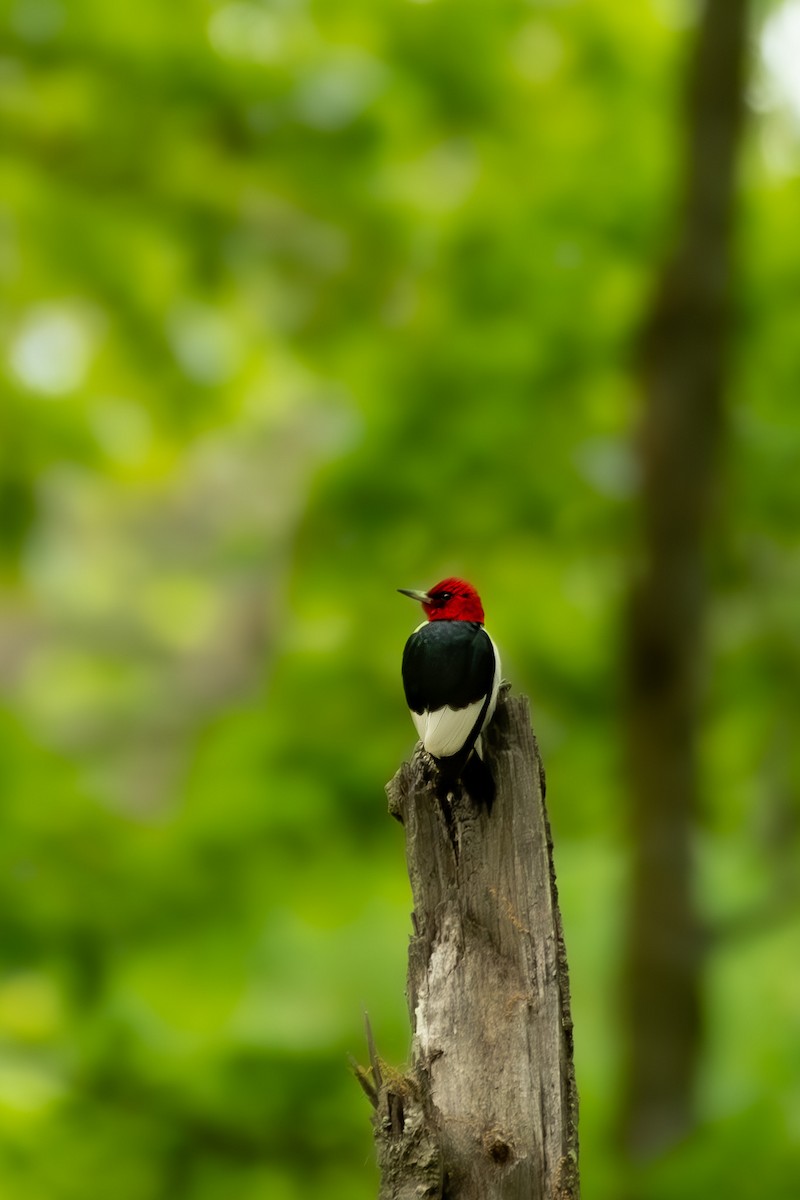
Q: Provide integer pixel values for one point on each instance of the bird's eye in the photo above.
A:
(445, 596)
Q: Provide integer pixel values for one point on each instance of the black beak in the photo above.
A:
(423, 597)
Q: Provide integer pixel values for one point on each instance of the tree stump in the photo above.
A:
(488, 1109)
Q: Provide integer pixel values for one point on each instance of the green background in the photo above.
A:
(303, 302)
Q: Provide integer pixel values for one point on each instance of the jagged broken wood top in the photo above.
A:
(489, 1106)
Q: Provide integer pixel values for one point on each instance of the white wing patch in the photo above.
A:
(444, 731)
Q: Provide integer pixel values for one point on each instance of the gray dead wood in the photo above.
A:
(488, 1109)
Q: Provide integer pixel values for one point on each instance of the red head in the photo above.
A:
(450, 600)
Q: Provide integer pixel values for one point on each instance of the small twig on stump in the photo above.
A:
(489, 1107)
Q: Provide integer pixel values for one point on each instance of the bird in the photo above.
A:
(451, 677)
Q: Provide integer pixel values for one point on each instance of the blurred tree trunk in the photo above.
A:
(683, 360)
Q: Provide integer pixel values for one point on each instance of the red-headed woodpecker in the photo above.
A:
(451, 676)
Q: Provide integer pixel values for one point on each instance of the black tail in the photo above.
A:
(478, 781)
(473, 775)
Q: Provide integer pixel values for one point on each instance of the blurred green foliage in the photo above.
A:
(304, 301)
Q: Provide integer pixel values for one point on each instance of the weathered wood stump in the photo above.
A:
(488, 1109)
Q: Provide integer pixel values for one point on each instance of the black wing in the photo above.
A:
(447, 663)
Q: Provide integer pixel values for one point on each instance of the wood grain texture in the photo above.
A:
(488, 1109)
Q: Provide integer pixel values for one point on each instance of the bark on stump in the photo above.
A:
(488, 1109)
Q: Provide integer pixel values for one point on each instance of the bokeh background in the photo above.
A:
(303, 301)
